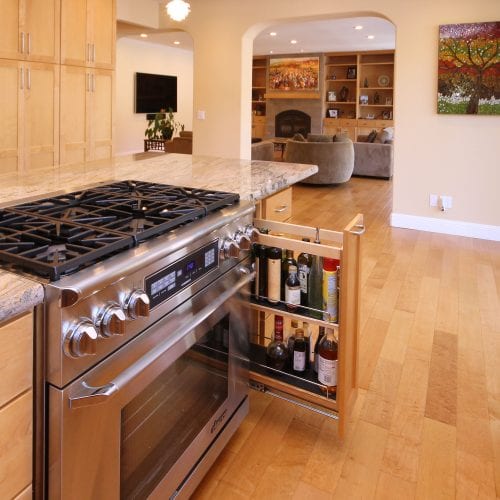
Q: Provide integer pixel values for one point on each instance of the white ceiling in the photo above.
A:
(326, 35)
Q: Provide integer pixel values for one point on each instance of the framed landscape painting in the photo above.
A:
(294, 74)
(469, 69)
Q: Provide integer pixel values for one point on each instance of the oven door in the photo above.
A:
(144, 421)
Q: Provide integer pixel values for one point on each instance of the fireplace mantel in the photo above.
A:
(292, 95)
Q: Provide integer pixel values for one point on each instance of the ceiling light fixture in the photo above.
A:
(370, 37)
(293, 42)
(178, 10)
(273, 33)
(176, 42)
(143, 35)
(358, 27)
(271, 51)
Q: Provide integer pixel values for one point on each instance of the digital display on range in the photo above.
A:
(173, 278)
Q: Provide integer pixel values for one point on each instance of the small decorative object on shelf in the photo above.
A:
(351, 73)
(333, 113)
(383, 81)
(332, 96)
(376, 98)
(344, 92)
(366, 82)
(363, 99)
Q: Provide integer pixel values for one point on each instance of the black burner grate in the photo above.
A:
(57, 236)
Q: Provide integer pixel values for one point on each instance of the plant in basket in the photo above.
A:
(163, 126)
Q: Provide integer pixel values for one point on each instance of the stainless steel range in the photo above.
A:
(144, 334)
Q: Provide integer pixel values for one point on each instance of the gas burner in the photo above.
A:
(57, 236)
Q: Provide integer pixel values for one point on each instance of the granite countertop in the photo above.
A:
(253, 180)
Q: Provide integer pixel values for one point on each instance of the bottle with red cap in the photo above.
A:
(330, 296)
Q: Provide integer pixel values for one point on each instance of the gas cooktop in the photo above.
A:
(55, 236)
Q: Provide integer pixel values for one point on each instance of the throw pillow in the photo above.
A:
(390, 131)
(341, 138)
(319, 138)
(371, 136)
(299, 137)
(382, 137)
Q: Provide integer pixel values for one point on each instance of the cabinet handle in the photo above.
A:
(358, 229)
(93, 52)
(88, 52)
(21, 79)
(29, 78)
(88, 82)
(93, 82)
(29, 43)
(281, 209)
(22, 42)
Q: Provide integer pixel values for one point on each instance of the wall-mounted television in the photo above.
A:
(155, 92)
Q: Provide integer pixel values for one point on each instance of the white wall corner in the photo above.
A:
(455, 227)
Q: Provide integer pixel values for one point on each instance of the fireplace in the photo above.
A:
(291, 122)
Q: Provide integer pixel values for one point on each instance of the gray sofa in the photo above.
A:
(335, 160)
(373, 159)
(263, 150)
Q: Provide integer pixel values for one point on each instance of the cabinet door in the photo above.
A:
(102, 33)
(74, 48)
(41, 28)
(75, 88)
(9, 29)
(10, 104)
(101, 115)
(41, 115)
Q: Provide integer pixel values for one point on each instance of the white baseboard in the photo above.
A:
(455, 227)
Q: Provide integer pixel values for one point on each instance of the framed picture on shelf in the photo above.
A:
(388, 101)
(363, 99)
(387, 115)
(333, 113)
(351, 73)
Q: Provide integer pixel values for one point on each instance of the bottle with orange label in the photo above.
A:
(330, 290)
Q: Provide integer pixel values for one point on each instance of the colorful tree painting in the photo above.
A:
(469, 69)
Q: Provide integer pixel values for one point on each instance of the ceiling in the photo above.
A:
(326, 35)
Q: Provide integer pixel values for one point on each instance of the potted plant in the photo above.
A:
(163, 126)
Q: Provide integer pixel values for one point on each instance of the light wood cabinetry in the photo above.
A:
(306, 390)
(259, 80)
(16, 407)
(359, 92)
(86, 114)
(29, 30)
(277, 207)
(88, 33)
(30, 108)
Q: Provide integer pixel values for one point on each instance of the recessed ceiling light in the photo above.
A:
(273, 33)
(302, 50)
(293, 41)
(271, 51)
(370, 37)
(176, 42)
(358, 27)
(143, 35)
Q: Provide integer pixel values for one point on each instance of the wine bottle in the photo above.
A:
(261, 268)
(299, 352)
(273, 275)
(294, 324)
(292, 289)
(315, 292)
(321, 334)
(330, 303)
(287, 262)
(327, 363)
(277, 352)
(304, 263)
(307, 339)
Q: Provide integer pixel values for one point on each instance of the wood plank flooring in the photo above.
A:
(426, 424)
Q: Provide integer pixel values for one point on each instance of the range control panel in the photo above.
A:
(182, 273)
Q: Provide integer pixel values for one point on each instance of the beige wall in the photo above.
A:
(452, 155)
(133, 56)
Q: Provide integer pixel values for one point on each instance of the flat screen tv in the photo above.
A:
(155, 92)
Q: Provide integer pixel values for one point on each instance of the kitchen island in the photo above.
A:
(253, 180)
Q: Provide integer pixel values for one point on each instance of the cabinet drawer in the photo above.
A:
(375, 123)
(16, 353)
(16, 445)
(278, 207)
(259, 120)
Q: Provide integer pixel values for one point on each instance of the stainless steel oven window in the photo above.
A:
(161, 422)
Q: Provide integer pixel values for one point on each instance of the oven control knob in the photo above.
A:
(137, 304)
(111, 320)
(242, 240)
(230, 249)
(251, 232)
(81, 339)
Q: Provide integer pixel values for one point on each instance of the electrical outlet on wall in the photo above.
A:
(445, 202)
(433, 200)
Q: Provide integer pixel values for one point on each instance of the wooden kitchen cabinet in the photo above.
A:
(345, 246)
(88, 33)
(29, 30)
(30, 106)
(277, 207)
(86, 114)
(16, 407)
(345, 126)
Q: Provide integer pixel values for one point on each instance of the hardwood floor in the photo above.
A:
(426, 424)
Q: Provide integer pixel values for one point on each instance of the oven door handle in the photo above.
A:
(90, 396)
